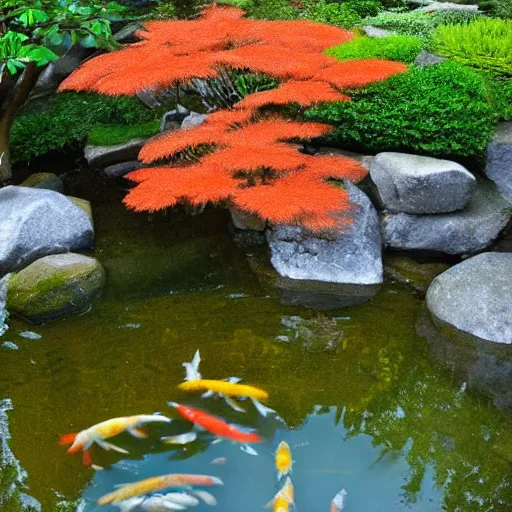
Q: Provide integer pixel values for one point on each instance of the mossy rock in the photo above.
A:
(55, 286)
(45, 180)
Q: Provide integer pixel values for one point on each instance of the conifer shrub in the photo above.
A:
(441, 110)
(401, 48)
(485, 43)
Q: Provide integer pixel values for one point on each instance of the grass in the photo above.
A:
(484, 43)
(109, 135)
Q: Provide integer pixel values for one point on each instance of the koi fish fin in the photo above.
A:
(234, 380)
(207, 497)
(109, 446)
(86, 458)
(270, 504)
(262, 409)
(208, 394)
(67, 439)
(173, 404)
(247, 449)
(139, 433)
(192, 369)
(232, 404)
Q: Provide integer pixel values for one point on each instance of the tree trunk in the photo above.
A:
(13, 95)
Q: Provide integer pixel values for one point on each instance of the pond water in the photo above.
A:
(370, 404)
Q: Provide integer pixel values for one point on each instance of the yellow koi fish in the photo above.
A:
(107, 429)
(158, 483)
(284, 460)
(226, 389)
(284, 498)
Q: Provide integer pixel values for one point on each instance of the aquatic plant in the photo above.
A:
(238, 154)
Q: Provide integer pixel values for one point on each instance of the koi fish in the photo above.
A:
(225, 389)
(216, 426)
(339, 501)
(188, 437)
(284, 460)
(208, 498)
(100, 432)
(219, 460)
(158, 483)
(284, 498)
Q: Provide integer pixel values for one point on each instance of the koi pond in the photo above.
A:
(373, 399)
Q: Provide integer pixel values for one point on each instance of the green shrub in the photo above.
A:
(365, 8)
(272, 10)
(440, 110)
(497, 8)
(400, 48)
(340, 14)
(485, 43)
(67, 119)
(501, 97)
(164, 10)
(109, 135)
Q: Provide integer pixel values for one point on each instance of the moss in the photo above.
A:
(110, 135)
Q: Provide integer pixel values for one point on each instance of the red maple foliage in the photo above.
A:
(245, 160)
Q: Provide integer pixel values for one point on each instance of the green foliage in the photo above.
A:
(33, 30)
(365, 8)
(497, 8)
(270, 9)
(440, 110)
(399, 48)
(485, 43)
(417, 23)
(165, 10)
(68, 120)
(109, 135)
(501, 97)
(340, 14)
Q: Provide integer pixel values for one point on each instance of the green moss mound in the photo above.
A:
(441, 110)
(400, 48)
(110, 135)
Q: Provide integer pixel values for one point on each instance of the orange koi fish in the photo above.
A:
(216, 426)
(158, 483)
(226, 389)
(284, 460)
(107, 429)
(338, 502)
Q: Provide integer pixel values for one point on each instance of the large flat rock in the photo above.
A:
(419, 184)
(475, 296)
(37, 222)
(352, 257)
(464, 232)
(103, 156)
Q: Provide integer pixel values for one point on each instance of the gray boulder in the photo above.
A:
(120, 170)
(499, 160)
(172, 119)
(378, 33)
(463, 232)
(353, 256)
(193, 119)
(55, 286)
(37, 222)
(475, 296)
(420, 184)
(448, 6)
(428, 59)
(103, 156)
(45, 180)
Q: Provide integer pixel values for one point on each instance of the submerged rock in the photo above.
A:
(353, 256)
(121, 169)
(242, 220)
(45, 180)
(103, 156)
(464, 232)
(420, 184)
(499, 160)
(55, 286)
(475, 296)
(35, 223)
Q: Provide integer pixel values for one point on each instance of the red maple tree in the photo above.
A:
(245, 158)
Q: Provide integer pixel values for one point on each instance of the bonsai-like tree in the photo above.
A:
(239, 154)
(31, 34)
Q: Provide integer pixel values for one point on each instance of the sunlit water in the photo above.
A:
(395, 418)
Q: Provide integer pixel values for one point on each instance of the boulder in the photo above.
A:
(84, 205)
(463, 232)
(55, 286)
(242, 220)
(420, 184)
(353, 256)
(475, 296)
(448, 6)
(149, 97)
(499, 160)
(120, 170)
(193, 119)
(45, 180)
(428, 59)
(376, 32)
(37, 222)
(172, 119)
(103, 156)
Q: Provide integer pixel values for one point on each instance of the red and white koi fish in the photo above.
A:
(339, 501)
(107, 429)
(215, 425)
(158, 483)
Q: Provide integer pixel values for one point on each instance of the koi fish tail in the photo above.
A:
(67, 439)
(232, 403)
(86, 458)
(192, 368)
(262, 409)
